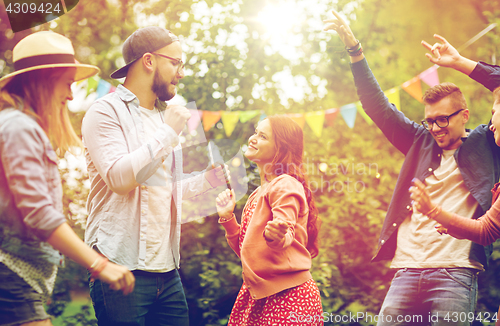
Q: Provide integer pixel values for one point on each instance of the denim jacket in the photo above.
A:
(478, 158)
(30, 188)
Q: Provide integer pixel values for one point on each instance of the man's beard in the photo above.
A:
(160, 88)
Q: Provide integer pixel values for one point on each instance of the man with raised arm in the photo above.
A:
(436, 278)
(134, 160)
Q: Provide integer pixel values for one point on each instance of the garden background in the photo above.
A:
(272, 57)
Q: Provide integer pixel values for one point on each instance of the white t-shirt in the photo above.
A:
(159, 257)
(419, 244)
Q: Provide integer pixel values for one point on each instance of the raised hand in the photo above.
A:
(225, 203)
(442, 52)
(445, 55)
(339, 25)
(276, 230)
(217, 176)
(176, 117)
(420, 196)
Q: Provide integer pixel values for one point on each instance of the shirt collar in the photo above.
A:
(127, 96)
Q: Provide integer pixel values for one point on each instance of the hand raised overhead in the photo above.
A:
(339, 25)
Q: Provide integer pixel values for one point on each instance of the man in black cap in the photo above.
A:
(134, 159)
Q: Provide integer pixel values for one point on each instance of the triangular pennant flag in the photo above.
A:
(393, 96)
(262, 116)
(247, 115)
(299, 118)
(229, 120)
(331, 116)
(316, 120)
(365, 116)
(103, 88)
(112, 89)
(430, 76)
(210, 118)
(195, 119)
(92, 83)
(414, 88)
(348, 112)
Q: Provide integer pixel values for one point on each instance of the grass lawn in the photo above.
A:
(72, 309)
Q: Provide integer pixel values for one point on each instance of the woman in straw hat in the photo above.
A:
(33, 230)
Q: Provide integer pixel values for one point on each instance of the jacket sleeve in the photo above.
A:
(398, 129)
(287, 200)
(24, 151)
(232, 234)
(485, 230)
(487, 75)
(121, 168)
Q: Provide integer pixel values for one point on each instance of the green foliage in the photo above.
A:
(232, 64)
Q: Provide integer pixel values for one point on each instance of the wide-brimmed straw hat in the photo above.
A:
(43, 50)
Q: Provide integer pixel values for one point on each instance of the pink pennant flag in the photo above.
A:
(430, 76)
(195, 119)
(331, 115)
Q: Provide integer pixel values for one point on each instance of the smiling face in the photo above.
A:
(261, 147)
(166, 75)
(495, 118)
(447, 137)
(62, 87)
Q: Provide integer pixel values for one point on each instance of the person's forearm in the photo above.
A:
(465, 65)
(69, 244)
(484, 230)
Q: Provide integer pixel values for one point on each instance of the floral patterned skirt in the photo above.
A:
(300, 305)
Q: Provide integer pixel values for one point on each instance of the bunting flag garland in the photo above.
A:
(299, 118)
(103, 88)
(331, 116)
(229, 120)
(430, 76)
(393, 96)
(247, 115)
(210, 118)
(348, 112)
(96, 87)
(316, 120)
(195, 119)
(92, 83)
(365, 116)
(414, 88)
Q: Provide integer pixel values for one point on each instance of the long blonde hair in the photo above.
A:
(32, 93)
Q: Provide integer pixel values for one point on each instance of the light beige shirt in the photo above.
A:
(419, 244)
(120, 157)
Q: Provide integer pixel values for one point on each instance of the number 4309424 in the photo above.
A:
(43, 8)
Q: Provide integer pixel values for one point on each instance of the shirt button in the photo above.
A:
(394, 224)
(439, 155)
(382, 242)
(430, 169)
(143, 212)
(408, 207)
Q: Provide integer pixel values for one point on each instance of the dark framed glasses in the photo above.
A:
(441, 122)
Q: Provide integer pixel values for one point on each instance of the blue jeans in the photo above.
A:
(157, 299)
(440, 296)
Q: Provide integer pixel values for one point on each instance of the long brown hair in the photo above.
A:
(289, 157)
(34, 89)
